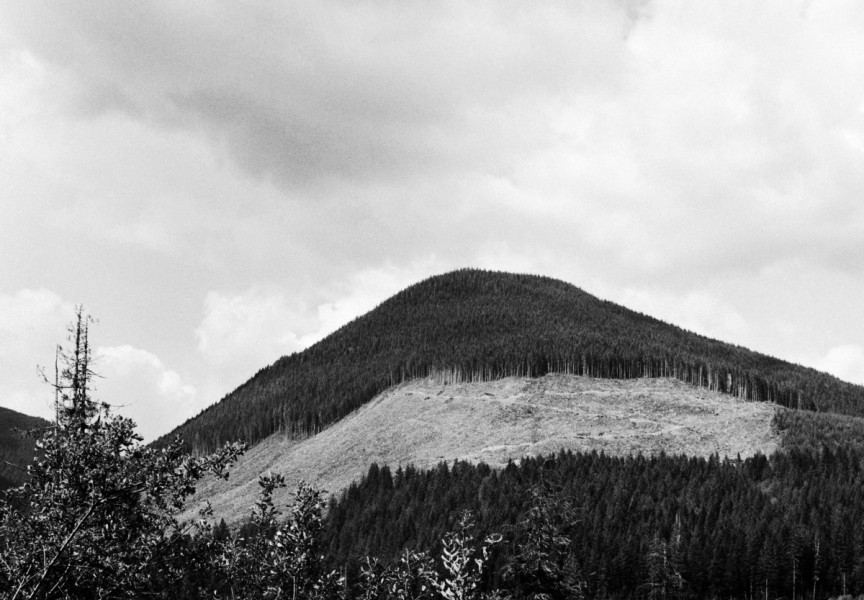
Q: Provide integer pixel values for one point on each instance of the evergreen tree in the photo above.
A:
(543, 565)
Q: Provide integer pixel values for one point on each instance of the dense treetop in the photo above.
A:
(479, 325)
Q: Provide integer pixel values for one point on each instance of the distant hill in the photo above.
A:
(472, 325)
(14, 447)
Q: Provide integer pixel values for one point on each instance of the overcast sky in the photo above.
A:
(222, 183)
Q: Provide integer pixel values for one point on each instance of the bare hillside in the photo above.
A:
(424, 422)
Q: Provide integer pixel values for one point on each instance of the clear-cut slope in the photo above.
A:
(424, 422)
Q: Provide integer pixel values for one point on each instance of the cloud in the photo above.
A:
(363, 291)
(32, 323)
(663, 140)
(240, 333)
(845, 362)
(697, 311)
(139, 386)
(298, 91)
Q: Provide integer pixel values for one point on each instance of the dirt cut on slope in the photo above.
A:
(424, 422)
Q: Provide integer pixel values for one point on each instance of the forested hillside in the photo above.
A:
(474, 325)
(16, 450)
(779, 526)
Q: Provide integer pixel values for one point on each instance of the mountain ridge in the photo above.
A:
(472, 325)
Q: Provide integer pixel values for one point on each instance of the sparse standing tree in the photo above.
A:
(817, 564)
(665, 581)
(543, 566)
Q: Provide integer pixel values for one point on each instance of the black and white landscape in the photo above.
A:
(583, 277)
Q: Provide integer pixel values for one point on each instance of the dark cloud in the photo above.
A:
(304, 92)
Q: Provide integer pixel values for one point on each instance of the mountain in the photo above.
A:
(16, 450)
(472, 325)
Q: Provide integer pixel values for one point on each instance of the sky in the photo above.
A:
(222, 183)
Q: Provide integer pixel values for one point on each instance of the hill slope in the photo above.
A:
(475, 325)
(424, 422)
(14, 447)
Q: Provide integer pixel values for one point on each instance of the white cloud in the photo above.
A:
(256, 322)
(139, 385)
(845, 362)
(363, 291)
(697, 311)
(242, 333)
(659, 140)
(32, 324)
